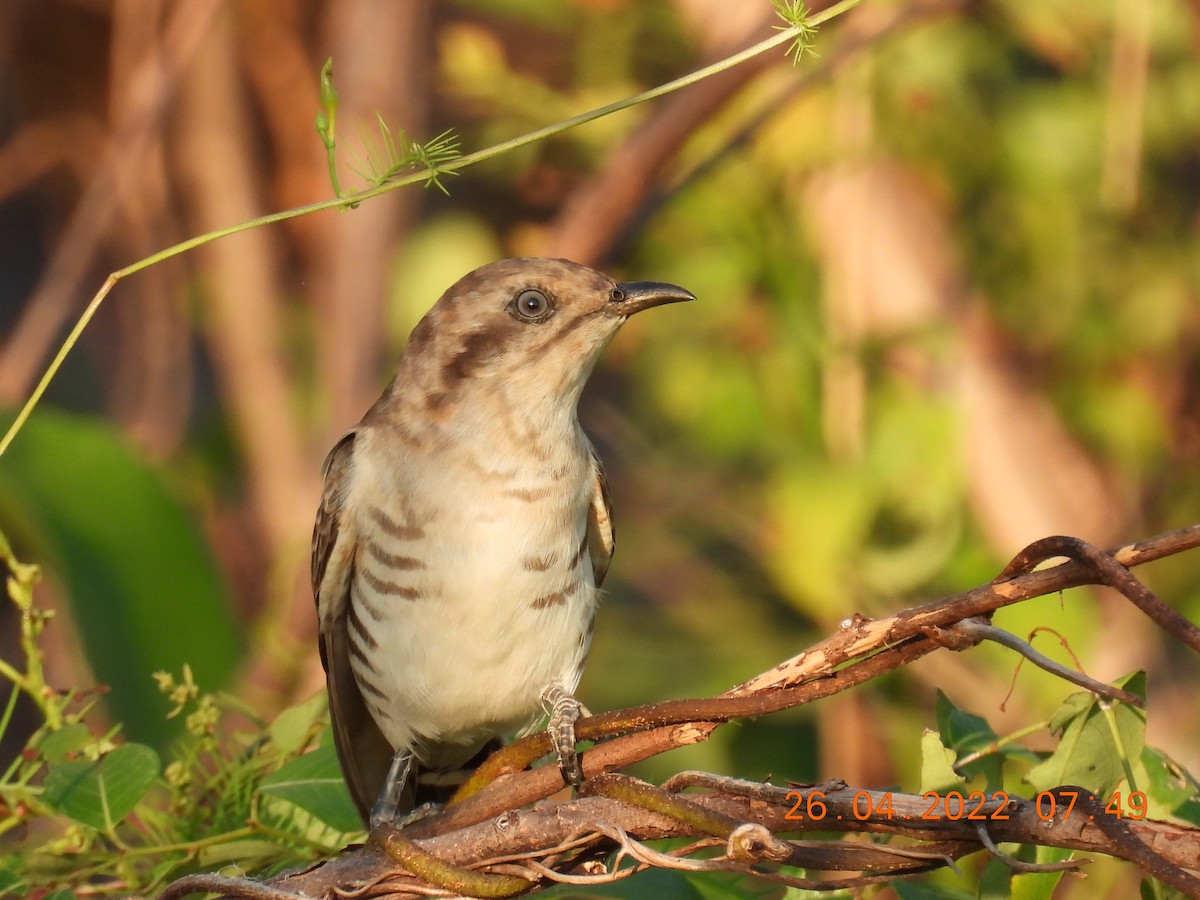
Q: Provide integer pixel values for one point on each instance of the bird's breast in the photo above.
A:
(472, 592)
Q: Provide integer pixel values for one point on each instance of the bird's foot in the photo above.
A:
(387, 807)
(401, 821)
(564, 711)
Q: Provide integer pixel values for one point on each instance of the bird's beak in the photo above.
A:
(639, 295)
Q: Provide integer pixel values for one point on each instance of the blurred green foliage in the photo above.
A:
(89, 815)
(145, 591)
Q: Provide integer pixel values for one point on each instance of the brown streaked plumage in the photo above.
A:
(450, 544)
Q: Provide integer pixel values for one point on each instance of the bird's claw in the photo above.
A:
(565, 710)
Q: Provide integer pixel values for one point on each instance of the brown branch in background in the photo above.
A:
(153, 377)
(70, 140)
(244, 327)
(244, 320)
(381, 55)
(153, 381)
(592, 221)
(54, 299)
(487, 832)
(281, 72)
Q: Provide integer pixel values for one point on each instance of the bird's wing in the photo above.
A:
(601, 539)
(329, 520)
(364, 752)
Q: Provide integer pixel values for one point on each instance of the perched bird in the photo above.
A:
(465, 528)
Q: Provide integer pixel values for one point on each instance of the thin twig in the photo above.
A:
(976, 631)
(1019, 865)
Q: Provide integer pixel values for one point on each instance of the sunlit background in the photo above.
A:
(949, 285)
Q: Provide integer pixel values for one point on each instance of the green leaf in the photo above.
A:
(962, 730)
(293, 727)
(10, 881)
(996, 881)
(652, 884)
(1087, 754)
(727, 886)
(62, 745)
(965, 733)
(1189, 812)
(314, 783)
(937, 765)
(143, 587)
(1168, 783)
(1170, 788)
(916, 890)
(102, 793)
(1076, 705)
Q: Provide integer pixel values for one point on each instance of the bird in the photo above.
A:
(464, 530)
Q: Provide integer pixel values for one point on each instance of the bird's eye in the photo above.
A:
(616, 295)
(531, 305)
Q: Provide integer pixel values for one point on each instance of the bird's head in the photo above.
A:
(527, 329)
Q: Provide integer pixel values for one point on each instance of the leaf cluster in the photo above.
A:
(1100, 747)
(89, 813)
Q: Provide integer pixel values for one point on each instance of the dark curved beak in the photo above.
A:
(639, 295)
